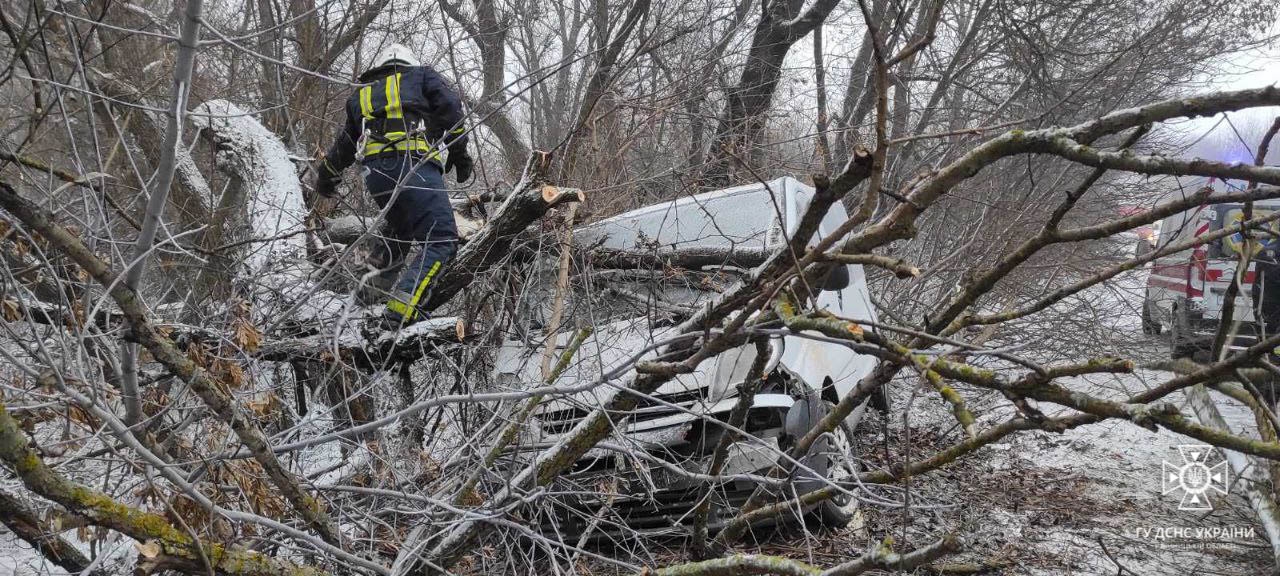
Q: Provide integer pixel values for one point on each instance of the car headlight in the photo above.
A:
(733, 365)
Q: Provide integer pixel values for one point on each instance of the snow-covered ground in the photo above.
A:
(1087, 501)
(1113, 510)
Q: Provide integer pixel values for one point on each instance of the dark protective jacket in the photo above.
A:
(1265, 292)
(401, 109)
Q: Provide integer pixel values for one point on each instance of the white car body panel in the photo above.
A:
(744, 216)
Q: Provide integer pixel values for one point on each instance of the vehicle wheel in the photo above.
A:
(1150, 325)
(842, 465)
(1180, 343)
(880, 400)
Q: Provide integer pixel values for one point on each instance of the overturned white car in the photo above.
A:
(675, 430)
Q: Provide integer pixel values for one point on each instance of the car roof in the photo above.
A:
(750, 216)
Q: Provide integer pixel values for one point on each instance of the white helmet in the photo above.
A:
(396, 53)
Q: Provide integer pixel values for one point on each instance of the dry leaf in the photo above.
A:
(265, 407)
(196, 354)
(231, 373)
(149, 550)
(10, 310)
(246, 335)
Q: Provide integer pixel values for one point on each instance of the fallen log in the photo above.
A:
(528, 201)
(350, 228)
(686, 258)
(369, 352)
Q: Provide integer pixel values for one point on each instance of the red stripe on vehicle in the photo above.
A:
(1224, 274)
(1179, 286)
(1171, 270)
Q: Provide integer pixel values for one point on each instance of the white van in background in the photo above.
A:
(1186, 291)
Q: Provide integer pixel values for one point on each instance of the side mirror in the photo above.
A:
(837, 279)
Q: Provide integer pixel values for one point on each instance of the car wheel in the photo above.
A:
(842, 467)
(1150, 325)
(880, 400)
(1180, 343)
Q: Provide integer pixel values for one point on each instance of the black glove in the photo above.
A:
(326, 184)
(326, 187)
(462, 162)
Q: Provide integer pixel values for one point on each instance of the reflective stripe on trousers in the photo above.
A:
(421, 213)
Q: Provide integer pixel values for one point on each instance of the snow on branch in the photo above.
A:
(260, 163)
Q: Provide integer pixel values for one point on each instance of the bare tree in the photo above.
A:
(256, 423)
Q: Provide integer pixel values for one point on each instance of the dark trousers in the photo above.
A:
(420, 213)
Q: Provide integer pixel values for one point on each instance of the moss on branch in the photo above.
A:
(178, 550)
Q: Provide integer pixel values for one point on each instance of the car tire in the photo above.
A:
(840, 510)
(1181, 345)
(1150, 326)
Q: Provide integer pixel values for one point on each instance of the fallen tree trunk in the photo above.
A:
(350, 228)
(528, 201)
(259, 162)
(687, 258)
(405, 345)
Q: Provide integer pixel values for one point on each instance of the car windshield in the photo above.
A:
(737, 218)
(732, 221)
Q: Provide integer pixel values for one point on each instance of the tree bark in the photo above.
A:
(742, 123)
(687, 258)
(159, 195)
(25, 524)
(489, 32)
(530, 201)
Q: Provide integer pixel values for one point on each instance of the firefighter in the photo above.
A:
(1265, 292)
(398, 124)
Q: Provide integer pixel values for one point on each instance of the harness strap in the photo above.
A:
(375, 138)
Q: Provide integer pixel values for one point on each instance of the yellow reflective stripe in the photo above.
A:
(408, 310)
(457, 130)
(400, 144)
(366, 102)
(422, 286)
(372, 149)
(400, 308)
(393, 97)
